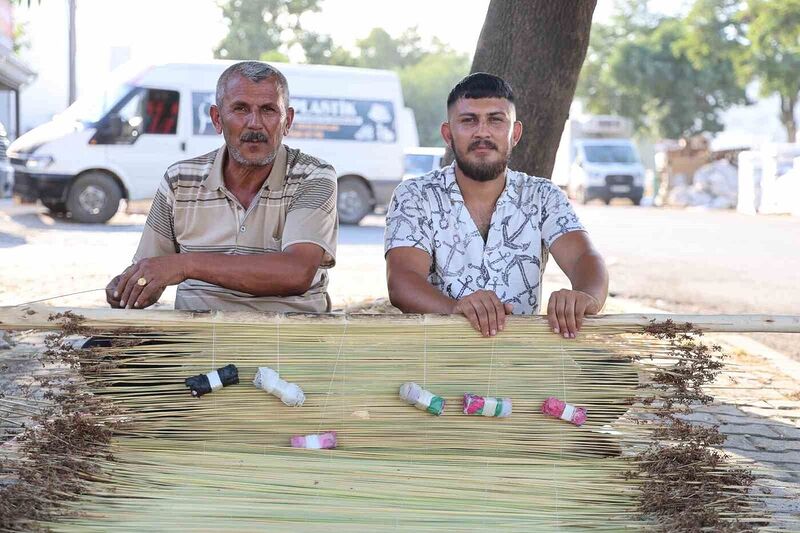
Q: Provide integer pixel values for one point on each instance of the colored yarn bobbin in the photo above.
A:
(315, 442)
(268, 380)
(422, 399)
(554, 407)
(204, 383)
(486, 406)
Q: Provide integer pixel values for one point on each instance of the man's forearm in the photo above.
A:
(273, 274)
(591, 276)
(411, 293)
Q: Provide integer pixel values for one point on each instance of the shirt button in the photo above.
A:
(242, 229)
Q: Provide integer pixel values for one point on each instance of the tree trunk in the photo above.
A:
(538, 46)
(788, 104)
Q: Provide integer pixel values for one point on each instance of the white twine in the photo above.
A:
(278, 348)
(333, 375)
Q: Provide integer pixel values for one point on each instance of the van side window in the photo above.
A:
(161, 112)
(142, 111)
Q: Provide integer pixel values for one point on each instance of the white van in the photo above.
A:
(117, 145)
(598, 159)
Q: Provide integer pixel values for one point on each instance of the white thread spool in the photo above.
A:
(213, 380)
(422, 399)
(268, 380)
(313, 443)
(569, 412)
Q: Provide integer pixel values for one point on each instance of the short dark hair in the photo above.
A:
(481, 85)
(256, 71)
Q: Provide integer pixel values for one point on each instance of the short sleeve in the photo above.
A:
(158, 237)
(408, 223)
(311, 215)
(557, 215)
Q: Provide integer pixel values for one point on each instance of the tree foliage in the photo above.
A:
(269, 29)
(674, 75)
(321, 50)
(258, 27)
(639, 67)
(760, 38)
(427, 70)
(426, 85)
(381, 50)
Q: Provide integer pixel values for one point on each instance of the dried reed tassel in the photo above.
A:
(555, 407)
(422, 399)
(315, 442)
(268, 380)
(486, 406)
(205, 383)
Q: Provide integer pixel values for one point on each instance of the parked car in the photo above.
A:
(6, 170)
(421, 160)
(117, 145)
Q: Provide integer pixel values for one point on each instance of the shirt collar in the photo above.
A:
(274, 181)
(454, 191)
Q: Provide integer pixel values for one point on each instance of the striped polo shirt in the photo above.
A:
(193, 211)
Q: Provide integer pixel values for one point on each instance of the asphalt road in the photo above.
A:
(702, 261)
(721, 261)
(679, 260)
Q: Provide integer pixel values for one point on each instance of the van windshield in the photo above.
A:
(610, 153)
(92, 107)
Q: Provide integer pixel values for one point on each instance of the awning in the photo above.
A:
(13, 72)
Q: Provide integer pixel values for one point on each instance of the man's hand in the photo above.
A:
(485, 312)
(566, 310)
(157, 272)
(111, 292)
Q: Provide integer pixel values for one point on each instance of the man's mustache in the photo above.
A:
(481, 144)
(254, 137)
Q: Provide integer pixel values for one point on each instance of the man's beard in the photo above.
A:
(253, 136)
(481, 171)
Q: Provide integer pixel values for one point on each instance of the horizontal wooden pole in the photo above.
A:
(36, 317)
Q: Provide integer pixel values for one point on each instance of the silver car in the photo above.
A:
(421, 160)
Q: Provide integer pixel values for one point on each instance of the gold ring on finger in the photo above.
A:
(141, 281)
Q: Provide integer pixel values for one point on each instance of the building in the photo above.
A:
(14, 73)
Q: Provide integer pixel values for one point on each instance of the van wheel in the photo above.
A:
(56, 209)
(580, 196)
(93, 198)
(354, 200)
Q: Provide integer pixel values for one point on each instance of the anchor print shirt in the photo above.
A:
(428, 213)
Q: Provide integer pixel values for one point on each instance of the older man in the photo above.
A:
(250, 226)
(473, 238)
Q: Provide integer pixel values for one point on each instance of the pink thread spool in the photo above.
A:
(315, 442)
(555, 407)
